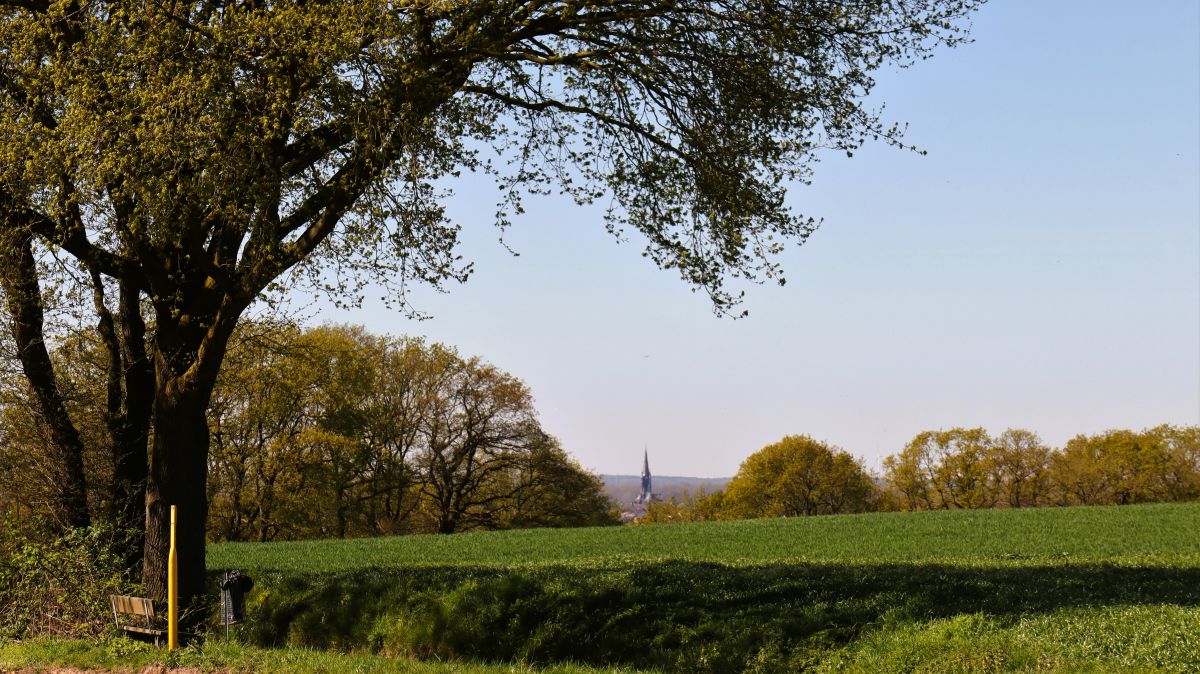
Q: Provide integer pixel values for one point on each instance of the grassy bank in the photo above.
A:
(1119, 639)
(123, 655)
(1075, 589)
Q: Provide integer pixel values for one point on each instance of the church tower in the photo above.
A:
(647, 492)
(637, 508)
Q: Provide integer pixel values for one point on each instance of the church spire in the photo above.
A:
(646, 494)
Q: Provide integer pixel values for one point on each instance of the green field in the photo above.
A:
(1074, 589)
(1148, 534)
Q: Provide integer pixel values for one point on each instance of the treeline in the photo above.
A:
(967, 468)
(960, 468)
(333, 432)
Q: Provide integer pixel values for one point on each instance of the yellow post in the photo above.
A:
(172, 591)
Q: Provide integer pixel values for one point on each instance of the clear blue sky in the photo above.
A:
(1040, 268)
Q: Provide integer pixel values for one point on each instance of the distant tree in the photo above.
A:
(1115, 467)
(350, 460)
(480, 426)
(557, 492)
(709, 506)
(798, 476)
(911, 474)
(393, 416)
(700, 506)
(1022, 468)
(966, 477)
(1182, 444)
(945, 469)
(261, 409)
(671, 511)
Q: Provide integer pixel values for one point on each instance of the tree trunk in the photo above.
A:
(24, 300)
(178, 477)
(340, 495)
(130, 395)
(187, 357)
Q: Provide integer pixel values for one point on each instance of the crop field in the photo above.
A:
(1074, 589)
(1165, 534)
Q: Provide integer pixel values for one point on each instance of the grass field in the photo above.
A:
(1147, 534)
(1079, 589)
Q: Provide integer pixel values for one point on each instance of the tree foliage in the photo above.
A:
(967, 468)
(1122, 466)
(798, 476)
(225, 141)
(701, 506)
(946, 469)
(334, 432)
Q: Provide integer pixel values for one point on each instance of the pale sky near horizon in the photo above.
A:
(1039, 268)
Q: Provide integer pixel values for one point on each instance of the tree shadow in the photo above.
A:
(675, 615)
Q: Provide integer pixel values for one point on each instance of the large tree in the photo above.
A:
(799, 476)
(191, 153)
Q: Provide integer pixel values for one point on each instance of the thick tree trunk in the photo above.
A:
(178, 477)
(447, 524)
(187, 357)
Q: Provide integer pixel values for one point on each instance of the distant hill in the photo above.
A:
(623, 488)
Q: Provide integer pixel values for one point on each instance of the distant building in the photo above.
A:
(646, 496)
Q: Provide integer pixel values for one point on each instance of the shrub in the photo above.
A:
(61, 588)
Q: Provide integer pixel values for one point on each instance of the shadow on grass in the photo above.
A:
(673, 615)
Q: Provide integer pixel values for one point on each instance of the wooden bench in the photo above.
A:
(137, 606)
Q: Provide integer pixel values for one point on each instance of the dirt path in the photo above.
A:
(148, 669)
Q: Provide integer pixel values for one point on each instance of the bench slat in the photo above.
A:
(133, 605)
(143, 630)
